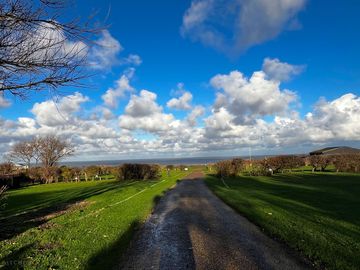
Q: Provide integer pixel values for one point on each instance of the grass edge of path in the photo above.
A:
(147, 201)
(224, 194)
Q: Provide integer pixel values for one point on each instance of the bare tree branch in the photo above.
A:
(48, 150)
(37, 50)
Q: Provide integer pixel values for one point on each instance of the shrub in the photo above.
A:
(6, 168)
(170, 167)
(238, 164)
(138, 172)
(67, 173)
(228, 168)
(50, 174)
(34, 173)
(257, 168)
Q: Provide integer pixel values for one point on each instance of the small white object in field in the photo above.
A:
(186, 169)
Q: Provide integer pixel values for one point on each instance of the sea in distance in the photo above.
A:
(161, 161)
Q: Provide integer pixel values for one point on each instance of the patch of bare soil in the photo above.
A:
(65, 208)
(48, 246)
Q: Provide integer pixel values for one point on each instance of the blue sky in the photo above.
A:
(313, 45)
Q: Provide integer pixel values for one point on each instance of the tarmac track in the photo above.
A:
(191, 228)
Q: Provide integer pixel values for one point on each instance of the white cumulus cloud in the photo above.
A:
(104, 54)
(113, 94)
(281, 71)
(181, 103)
(250, 98)
(195, 114)
(51, 113)
(143, 112)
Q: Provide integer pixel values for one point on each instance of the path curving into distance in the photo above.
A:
(191, 228)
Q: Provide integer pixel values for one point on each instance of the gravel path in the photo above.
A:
(192, 229)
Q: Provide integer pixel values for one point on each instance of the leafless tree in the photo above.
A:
(48, 150)
(35, 142)
(51, 150)
(37, 50)
(22, 152)
(320, 161)
(347, 163)
(280, 163)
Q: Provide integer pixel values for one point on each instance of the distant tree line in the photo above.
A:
(12, 176)
(342, 163)
(279, 164)
(266, 166)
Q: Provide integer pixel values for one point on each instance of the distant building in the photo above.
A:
(338, 150)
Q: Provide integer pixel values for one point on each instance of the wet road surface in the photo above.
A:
(192, 229)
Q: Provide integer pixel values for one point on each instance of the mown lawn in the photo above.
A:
(43, 228)
(317, 214)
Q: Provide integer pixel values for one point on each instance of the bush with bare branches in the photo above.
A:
(6, 168)
(138, 172)
(256, 168)
(34, 173)
(228, 168)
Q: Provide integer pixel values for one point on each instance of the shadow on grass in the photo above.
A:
(17, 259)
(319, 192)
(323, 202)
(50, 204)
(110, 256)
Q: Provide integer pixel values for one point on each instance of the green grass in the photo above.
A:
(317, 214)
(84, 237)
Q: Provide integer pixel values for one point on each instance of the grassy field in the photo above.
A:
(75, 225)
(318, 214)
